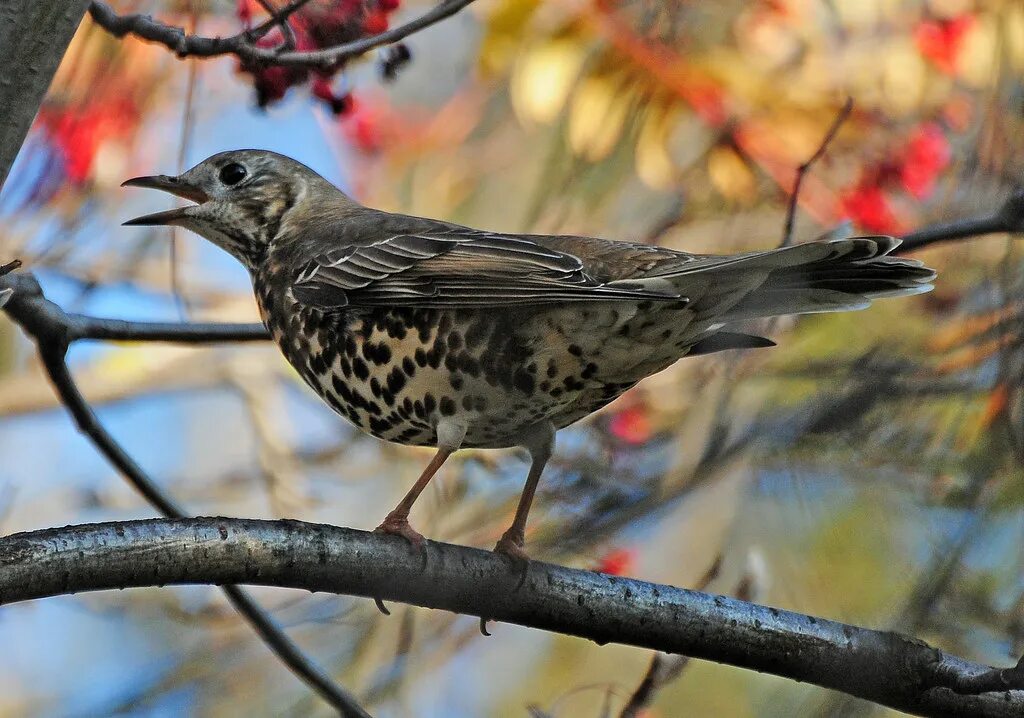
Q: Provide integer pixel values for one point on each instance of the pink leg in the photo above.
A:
(397, 522)
(512, 542)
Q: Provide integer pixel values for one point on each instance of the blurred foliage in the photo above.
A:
(867, 469)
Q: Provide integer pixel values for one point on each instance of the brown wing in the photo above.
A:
(433, 264)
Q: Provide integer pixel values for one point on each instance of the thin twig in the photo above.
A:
(794, 196)
(54, 331)
(881, 666)
(242, 45)
(184, 140)
(287, 32)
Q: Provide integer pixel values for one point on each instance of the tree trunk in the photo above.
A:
(33, 37)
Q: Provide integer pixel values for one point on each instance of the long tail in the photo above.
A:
(835, 276)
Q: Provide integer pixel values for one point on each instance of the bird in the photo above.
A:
(428, 333)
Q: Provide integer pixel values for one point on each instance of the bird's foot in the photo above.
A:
(398, 524)
(511, 545)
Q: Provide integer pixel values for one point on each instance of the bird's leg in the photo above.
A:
(449, 438)
(397, 522)
(540, 443)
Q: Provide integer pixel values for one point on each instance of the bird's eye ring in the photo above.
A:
(232, 173)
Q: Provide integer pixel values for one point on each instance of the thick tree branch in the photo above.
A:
(243, 46)
(883, 667)
(53, 331)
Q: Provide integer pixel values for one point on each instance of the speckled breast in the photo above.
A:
(395, 372)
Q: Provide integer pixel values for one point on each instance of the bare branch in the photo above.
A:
(243, 46)
(844, 112)
(46, 317)
(53, 331)
(1009, 218)
(884, 667)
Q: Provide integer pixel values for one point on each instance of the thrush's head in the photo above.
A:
(242, 199)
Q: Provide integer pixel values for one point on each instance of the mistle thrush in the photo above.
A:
(428, 333)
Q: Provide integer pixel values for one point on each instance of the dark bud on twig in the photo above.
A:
(393, 59)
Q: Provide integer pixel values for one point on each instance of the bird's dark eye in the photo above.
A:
(232, 173)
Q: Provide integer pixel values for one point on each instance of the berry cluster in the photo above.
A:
(317, 25)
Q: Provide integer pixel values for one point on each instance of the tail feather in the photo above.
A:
(841, 275)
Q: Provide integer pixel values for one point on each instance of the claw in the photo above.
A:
(399, 526)
(381, 607)
(511, 545)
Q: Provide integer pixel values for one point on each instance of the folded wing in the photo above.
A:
(450, 266)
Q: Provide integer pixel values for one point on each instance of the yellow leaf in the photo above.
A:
(542, 78)
(654, 165)
(598, 114)
(730, 175)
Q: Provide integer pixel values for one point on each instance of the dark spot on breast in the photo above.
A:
(469, 364)
(479, 403)
(456, 381)
(396, 380)
(552, 369)
(429, 403)
(379, 426)
(467, 402)
(575, 350)
(523, 381)
(407, 435)
(447, 406)
(317, 364)
(421, 357)
(408, 367)
(589, 370)
(375, 387)
(476, 334)
(362, 371)
(444, 323)
(454, 341)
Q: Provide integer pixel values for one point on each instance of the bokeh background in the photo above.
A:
(868, 469)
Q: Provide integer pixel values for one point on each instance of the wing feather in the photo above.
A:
(449, 266)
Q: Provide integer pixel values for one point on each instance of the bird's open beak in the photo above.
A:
(165, 183)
